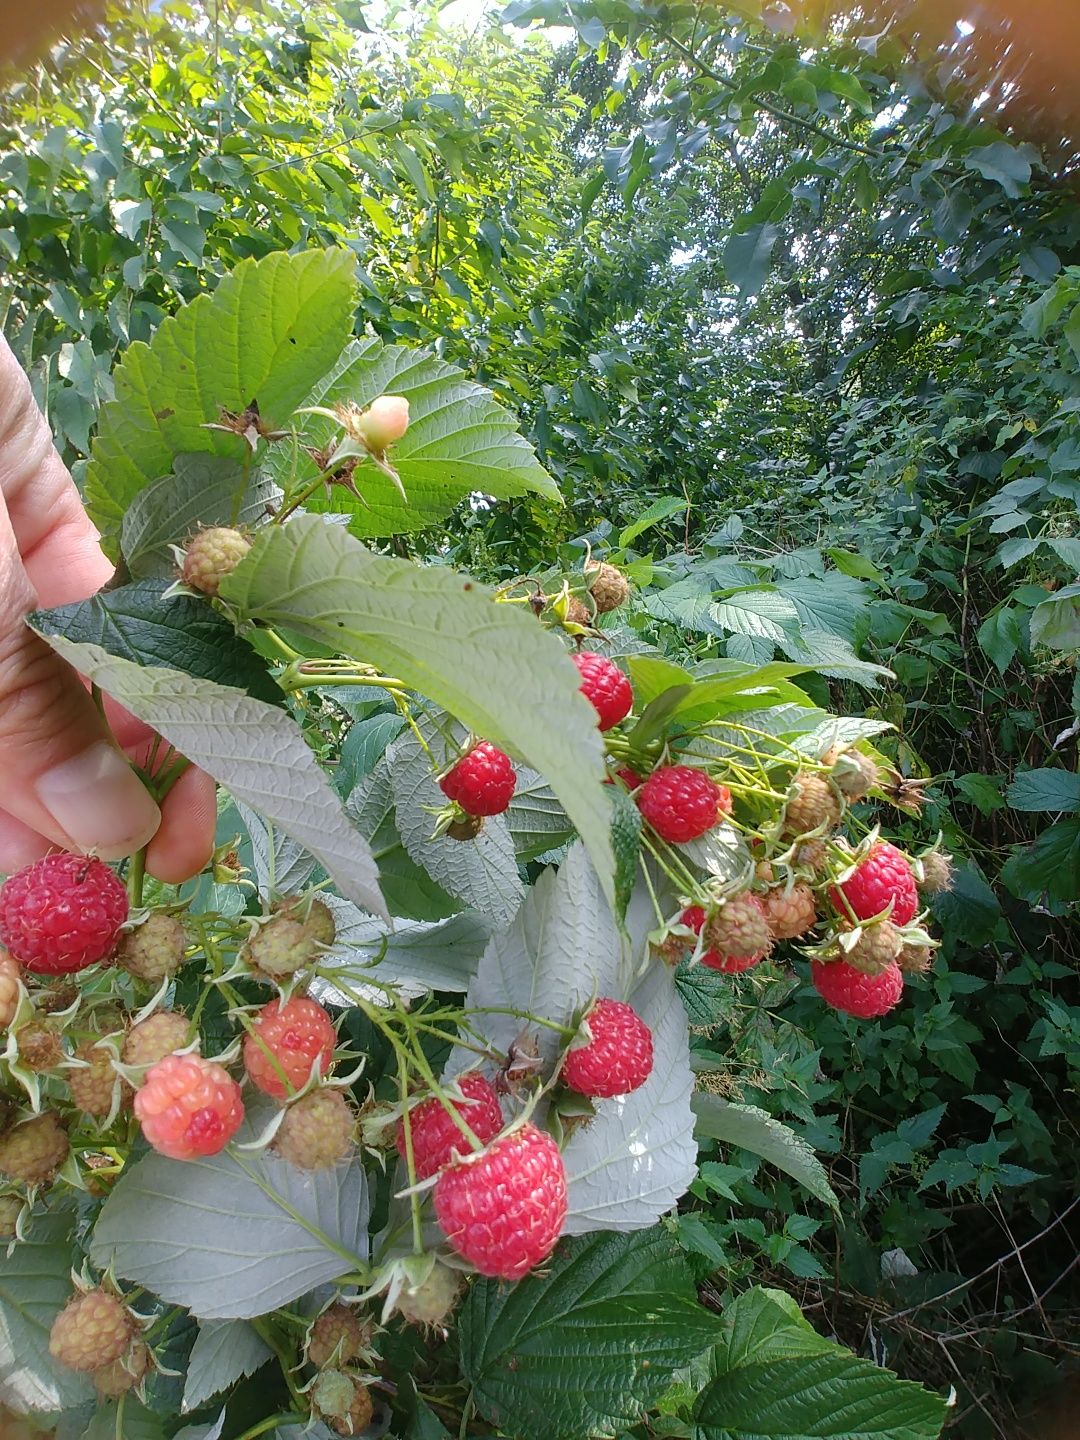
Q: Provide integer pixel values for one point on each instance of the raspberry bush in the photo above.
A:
(424, 1030)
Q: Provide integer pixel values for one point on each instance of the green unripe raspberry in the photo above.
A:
(10, 1210)
(876, 948)
(91, 1331)
(92, 1085)
(155, 1037)
(317, 1131)
(34, 1151)
(211, 555)
(313, 914)
(280, 948)
(342, 1402)
(154, 949)
(433, 1300)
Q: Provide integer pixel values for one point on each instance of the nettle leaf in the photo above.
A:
(586, 1347)
(234, 1235)
(268, 332)
(200, 490)
(751, 1129)
(255, 750)
(778, 1380)
(181, 633)
(481, 873)
(490, 665)
(460, 441)
(35, 1284)
(224, 1352)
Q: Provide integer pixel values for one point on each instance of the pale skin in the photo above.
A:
(66, 781)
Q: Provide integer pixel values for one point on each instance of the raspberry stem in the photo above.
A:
(269, 1335)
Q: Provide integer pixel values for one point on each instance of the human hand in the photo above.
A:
(64, 781)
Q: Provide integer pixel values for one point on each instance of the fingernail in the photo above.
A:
(99, 801)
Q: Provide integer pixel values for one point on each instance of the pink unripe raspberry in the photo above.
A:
(737, 935)
(62, 913)
(287, 1039)
(845, 988)
(383, 422)
(884, 878)
(92, 1085)
(188, 1106)
(482, 782)
(605, 687)
(876, 948)
(681, 803)
(91, 1331)
(504, 1210)
(435, 1136)
(617, 1056)
(123, 1374)
(790, 913)
(813, 804)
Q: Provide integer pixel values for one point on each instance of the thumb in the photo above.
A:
(63, 775)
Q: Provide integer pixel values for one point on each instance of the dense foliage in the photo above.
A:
(796, 334)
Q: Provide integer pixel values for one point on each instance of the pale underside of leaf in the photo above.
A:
(255, 750)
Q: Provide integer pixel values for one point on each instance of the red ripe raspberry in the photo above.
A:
(288, 1038)
(92, 1330)
(62, 913)
(618, 1055)
(188, 1107)
(482, 782)
(865, 996)
(435, 1137)
(605, 687)
(504, 1210)
(10, 975)
(737, 937)
(883, 878)
(681, 803)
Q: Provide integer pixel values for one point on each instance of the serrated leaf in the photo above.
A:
(255, 750)
(752, 1129)
(761, 614)
(626, 843)
(999, 637)
(562, 948)
(489, 665)
(536, 820)
(1049, 867)
(762, 1325)
(232, 1236)
(180, 633)
(830, 602)
(409, 890)
(139, 1423)
(481, 873)
(203, 1432)
(200, 490)
(268, 332)
(281, 865)
(1056, 621)
(459, 441)
(418, 956)
(660, 510)
(831, 1395)
(224, 1352)
(587, 1346)
(1045, 791)
(35, 1284)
